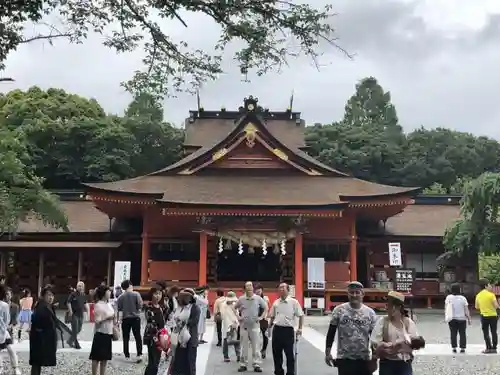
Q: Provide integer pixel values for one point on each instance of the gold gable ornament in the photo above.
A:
(219, 154)
(280, 154)
(250, 134)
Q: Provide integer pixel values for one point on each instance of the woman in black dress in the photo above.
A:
(43, 333)
(104, 318)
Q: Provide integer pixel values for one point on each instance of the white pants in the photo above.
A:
(250, 340)
(12, 356)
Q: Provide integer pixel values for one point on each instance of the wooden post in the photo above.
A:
(299, 269)
(353, 253)
(202, 267)
(80, 266)
(41, 260)
(2, 264)
(145, 259)
(145, 250)
(110, 265)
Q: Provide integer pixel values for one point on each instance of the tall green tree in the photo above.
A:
(478, 229)
(157, 143)
(368, 142)
(263, 30)
(21, 192)
(71, 140)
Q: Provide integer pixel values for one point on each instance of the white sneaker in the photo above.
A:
(17, 371)
(138, 359)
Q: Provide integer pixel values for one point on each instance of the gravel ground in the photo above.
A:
(75, 364)
(431, 327)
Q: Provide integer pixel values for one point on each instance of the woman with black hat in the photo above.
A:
(395, 337)
(184, 338)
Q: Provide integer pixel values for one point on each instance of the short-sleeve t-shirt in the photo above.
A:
(249, 309)
(485, 301)
(354, 327)
(458, 305)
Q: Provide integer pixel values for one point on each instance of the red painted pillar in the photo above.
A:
(353, 253)
(299, 269)
(202, 272)
(145, 259)
(145, 250)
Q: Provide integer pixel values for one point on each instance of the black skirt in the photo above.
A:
(6, 343)
(102, 347)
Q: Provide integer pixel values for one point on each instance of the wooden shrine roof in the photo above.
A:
(207, 132)
(415, 220)
(423, 220)
(253, 190)
(83, 217)
(281, 134)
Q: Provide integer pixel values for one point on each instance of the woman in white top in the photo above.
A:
(230, 326)
(104, 317)
(395, 337)
(457, 315)
(202, 302)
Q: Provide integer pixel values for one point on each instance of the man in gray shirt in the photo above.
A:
(353, 322)
(130, 307)
(249, 305)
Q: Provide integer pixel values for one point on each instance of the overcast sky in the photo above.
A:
(439, 58)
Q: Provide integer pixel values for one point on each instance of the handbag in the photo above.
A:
(116, 333)
(448, 312)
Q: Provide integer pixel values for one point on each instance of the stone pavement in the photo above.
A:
(435, 358)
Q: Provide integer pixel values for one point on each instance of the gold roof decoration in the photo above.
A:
(219, 154)
(279, 153)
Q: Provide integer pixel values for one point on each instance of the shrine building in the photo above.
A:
(247, 202)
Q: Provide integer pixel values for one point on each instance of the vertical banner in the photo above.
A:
(316, 273)
(122, 272)
(395, 257)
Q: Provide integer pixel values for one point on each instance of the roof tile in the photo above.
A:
(423, 220)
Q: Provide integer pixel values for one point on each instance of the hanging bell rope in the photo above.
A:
(221, 245)
(240, 247)
(264, 247)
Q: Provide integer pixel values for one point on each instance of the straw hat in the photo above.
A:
(396, 296)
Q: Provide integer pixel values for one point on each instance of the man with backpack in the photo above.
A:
(353, 322)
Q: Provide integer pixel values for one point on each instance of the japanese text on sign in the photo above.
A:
(404, 280)
(395, 258)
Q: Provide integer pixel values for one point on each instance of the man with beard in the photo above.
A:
(354, 322)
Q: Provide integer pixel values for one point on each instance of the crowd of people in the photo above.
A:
(176, 323)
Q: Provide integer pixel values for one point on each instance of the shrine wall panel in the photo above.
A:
(61, 265)
(173, 271)
(94, 267)
(334, 271)
(163, 226)
(329, 228)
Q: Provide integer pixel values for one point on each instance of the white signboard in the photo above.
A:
(316, 273)
(395, 258)
(122, 272)
(307, 303)
(292, 291)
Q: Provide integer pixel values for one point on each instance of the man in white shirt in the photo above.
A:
(284, 311)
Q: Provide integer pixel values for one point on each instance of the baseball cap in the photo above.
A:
(355, 285)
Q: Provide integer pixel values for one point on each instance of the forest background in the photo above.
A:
(53, 140)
